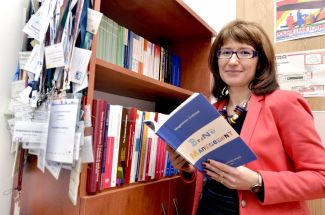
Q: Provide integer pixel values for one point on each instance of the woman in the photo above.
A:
(277, 125)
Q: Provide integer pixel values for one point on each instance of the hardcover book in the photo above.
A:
(197, 131)
(94, 169)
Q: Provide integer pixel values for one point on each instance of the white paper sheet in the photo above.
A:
(62, 130)
(79, 65)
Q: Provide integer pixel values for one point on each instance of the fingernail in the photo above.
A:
(203, 164)
(204, 171)
(207, 161)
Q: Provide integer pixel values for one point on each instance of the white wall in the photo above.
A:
(214, 12)
(10, 39)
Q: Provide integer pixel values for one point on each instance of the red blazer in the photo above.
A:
(279, 128)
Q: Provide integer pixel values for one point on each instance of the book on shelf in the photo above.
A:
(175, 70)
(124, 134)
(156, 61)
(150, 172)
(107, 155)
(197, 131)
(94, 169)
(144, 150)
(130, 143)
(137, 146)
(123, 47)
(114, 133)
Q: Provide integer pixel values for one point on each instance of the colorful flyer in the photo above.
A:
(295, 19)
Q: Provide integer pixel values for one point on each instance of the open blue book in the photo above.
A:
(197, 131)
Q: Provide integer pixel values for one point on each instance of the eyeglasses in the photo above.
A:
(241, 54)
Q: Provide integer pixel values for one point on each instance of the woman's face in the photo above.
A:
(235, 72)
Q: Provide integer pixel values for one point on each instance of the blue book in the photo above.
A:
(175, 70)
(197, 131)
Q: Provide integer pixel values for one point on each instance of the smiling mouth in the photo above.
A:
(233, 71)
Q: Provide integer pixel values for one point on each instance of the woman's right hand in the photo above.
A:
(178, 161)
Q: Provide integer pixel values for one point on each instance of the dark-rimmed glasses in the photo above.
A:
(241, 54)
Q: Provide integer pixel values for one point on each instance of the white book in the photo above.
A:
(151, 60)
(148, 152)
(114, 130)
(146, 58)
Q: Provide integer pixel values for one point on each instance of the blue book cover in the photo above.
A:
(197, 131)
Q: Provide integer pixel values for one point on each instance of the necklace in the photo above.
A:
(239, 110)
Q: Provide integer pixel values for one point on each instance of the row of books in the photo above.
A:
(123, 47)
(125, 150)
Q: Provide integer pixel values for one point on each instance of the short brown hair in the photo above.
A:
(251, 34)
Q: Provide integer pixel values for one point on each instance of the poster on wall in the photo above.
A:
(295, 19)
(303, 72)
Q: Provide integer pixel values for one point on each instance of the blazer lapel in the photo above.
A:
(253, 113)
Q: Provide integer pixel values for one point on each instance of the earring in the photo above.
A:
(224, 91)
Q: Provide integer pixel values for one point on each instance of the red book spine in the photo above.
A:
(156, 170)
(94, 170)
(108, 163)
(163, 156)
(158, 159)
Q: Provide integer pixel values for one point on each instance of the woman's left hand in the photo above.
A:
(240, 178)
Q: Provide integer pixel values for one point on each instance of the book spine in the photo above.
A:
(162, 64)
(147, 160)
(158, 158)
(91, 177)
(123, 146)
(102, 119)
(163, 156)
(140, 55)
(130, 49)
(106, 181)
(116, 115)
(120, 45)
(156, 62)
(126, 48)
(114, 43)
(138, 144)
(143, 148)
(175, 70)
(130, 144)
(94, 170)
(166, 66)
(103, 166)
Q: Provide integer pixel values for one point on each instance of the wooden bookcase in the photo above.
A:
(169, 23)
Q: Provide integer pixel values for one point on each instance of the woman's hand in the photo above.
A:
(178, 161)
(240, 178)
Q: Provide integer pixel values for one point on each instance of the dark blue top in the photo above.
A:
(216, 198)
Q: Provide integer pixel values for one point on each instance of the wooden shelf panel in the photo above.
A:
(161, 22)
(135, 185)
(114, 79)
(140, 198)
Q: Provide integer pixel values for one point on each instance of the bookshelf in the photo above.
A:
(165, 22)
